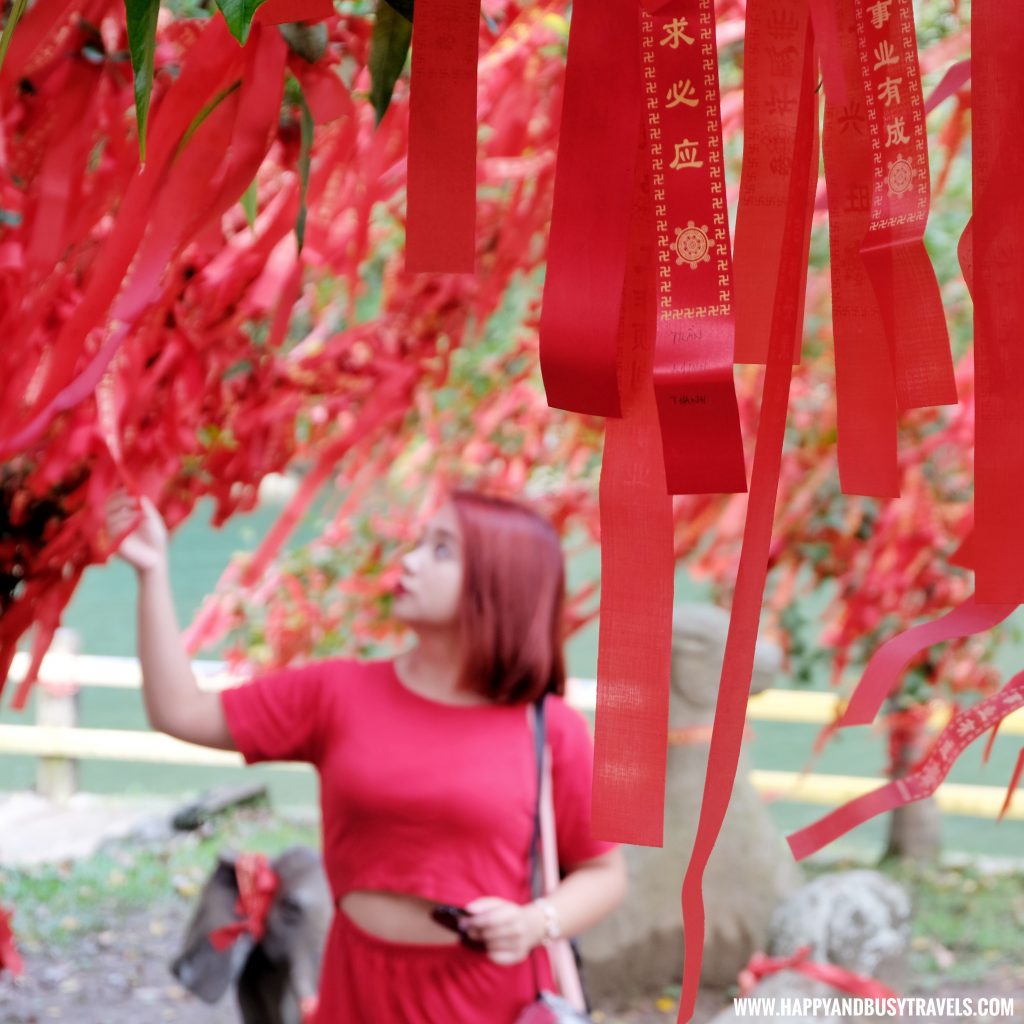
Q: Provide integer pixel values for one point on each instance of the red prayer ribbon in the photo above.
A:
(441, 216)
(773, 63)
(10, 958)
(257, 886)
(587, 251)
(693, 375)
(998, 163)
(761, 966)
(893, 249)
(279, 12)
(882, 674)
(922, 781)
(741, 640)
(637, 571)
(866, 405)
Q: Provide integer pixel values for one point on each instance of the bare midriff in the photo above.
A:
(396, 916)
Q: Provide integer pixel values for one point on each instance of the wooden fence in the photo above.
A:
(60, 743)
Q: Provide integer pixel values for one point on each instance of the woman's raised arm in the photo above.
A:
(174, 703)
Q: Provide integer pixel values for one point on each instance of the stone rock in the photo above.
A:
(858, 920)
(639, 949)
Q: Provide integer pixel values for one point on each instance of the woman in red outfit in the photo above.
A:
(426, 762)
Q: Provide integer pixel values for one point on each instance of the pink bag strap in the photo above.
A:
(563, 962)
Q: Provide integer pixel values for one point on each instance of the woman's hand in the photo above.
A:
(145, 547)
(510, 930)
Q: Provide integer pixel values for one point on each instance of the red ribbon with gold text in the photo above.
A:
(257, 886)
(738, 662)
(693, 359)
(637, 570)
(893, 249)
(441, 213)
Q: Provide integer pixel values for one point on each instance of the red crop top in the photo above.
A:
(419, 797)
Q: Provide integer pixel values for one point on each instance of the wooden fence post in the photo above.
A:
(57, 705)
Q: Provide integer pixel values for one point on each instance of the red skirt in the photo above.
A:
(370, 980)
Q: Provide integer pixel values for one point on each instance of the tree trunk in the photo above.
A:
(915, 829)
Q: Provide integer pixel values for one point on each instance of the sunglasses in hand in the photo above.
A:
(454, 919)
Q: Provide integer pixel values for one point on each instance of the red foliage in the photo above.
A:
(240, 358)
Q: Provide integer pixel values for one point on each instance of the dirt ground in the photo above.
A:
(120, 976)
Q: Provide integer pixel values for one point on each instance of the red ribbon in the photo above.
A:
(866, 406)
(211, 63)
(882, 674)
(10, 958)
(441, 216)
(309, 1007)
(741, 640)
(893, 249)
(693, 360)
(922, 781)
(998, 163)
(637, 569)
(761, 966)
(278, 12)
(257, 886)
(773, 63)
(587, 253)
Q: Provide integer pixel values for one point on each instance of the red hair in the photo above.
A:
(513, 593)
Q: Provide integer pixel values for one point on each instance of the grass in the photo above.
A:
(58, 904)
(966, 922)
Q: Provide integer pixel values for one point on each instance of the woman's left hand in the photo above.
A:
(510, 930)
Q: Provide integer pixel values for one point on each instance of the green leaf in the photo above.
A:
(403, 7)
(142, 15)
(12, 20)
(207, 111)
(294, 93)
(389, 48)
(239, 14)
(250, 199)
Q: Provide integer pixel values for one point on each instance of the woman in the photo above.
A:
(426, 762)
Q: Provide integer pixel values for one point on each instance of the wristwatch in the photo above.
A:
(552, 926)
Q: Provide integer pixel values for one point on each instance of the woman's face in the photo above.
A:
(431, 582)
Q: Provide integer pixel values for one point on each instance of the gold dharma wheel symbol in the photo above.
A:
(901, 176)
(692, 245)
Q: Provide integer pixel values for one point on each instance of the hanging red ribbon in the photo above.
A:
(922, 781)
(998, 222)
(587, 250)
(762, 966)
(10, 958)
(866, 406)
(211, 63)
(882, 675)
(693, 360)
(773, 52)
(637, 571)
(893, 249)
(257, 887)
(441, 212)
(741, 640)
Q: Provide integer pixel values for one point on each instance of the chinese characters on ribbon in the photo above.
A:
(893, 250)
(693, 360)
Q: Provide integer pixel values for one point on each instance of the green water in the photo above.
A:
(103, 614)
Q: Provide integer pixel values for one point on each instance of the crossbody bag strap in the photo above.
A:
(544, 872)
